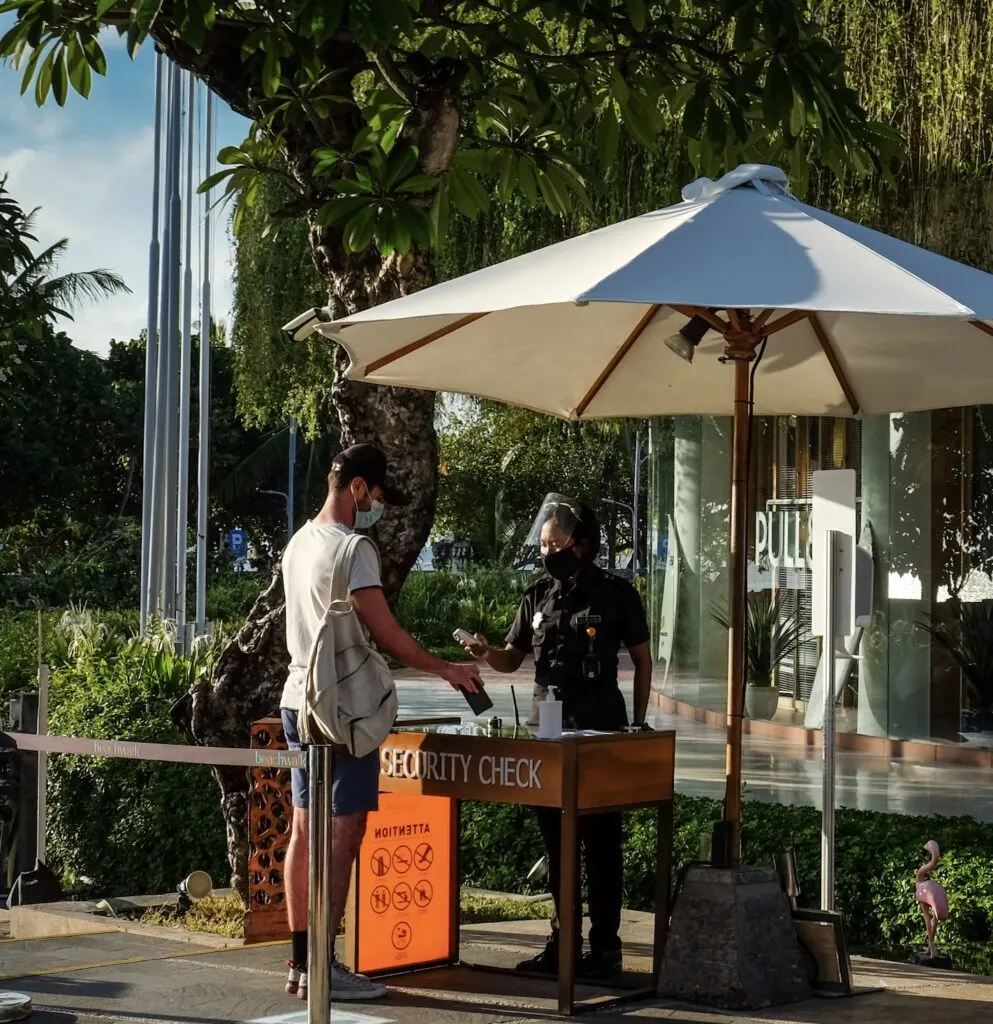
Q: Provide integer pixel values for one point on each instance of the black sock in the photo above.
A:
(299, 954)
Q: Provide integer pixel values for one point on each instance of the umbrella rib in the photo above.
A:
(832, 358)
(615, 361)
(715, 321)
(984, 327)
(786, 320)
(391, 357)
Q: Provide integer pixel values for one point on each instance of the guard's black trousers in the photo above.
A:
(600, 840)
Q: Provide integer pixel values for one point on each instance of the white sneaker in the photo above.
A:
(296, 982)
(346, 986)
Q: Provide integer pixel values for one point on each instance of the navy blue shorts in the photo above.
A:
(355, 780)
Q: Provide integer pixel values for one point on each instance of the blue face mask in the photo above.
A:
(365, 519)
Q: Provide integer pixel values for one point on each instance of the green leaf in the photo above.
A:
(608, 136)
(349, 187)
(60, 78)
(270, 73)
(508, 175)
(475, 160)
(338, 210)
(798, 116)
(232, 155)
(527, 180)
(777, 97)
(418, 183)
(416, 223)
(79, 70)
(145, 13)
(400, 165)
(696, 110)
(636, 14)
(95, 56)
(359, 229)
(440, 215)
(325, 19)
(44, 83)
(214, 180)
(103, 6)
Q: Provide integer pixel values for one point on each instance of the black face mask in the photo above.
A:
(562, 565)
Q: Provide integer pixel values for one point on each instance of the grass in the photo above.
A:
(219, 915)
(224, 915)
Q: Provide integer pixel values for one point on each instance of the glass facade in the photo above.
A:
(925, 513)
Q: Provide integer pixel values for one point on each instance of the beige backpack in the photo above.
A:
(350, 697)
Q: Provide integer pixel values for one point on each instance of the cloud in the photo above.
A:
(89, 169)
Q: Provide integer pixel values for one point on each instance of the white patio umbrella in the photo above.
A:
(819, 316)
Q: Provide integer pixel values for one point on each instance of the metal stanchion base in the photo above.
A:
(14, 1006)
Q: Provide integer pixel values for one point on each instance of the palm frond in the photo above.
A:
(770, 636)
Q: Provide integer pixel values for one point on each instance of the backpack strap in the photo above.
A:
(341, 567)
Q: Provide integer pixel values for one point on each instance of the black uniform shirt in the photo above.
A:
(575, 630)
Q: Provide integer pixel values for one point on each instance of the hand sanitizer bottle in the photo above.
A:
(549, 717)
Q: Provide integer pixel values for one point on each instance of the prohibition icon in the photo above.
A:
(380, 862)
(402, 936)
(424, 856)
(401, 860)
(401, 896)
(423, 893)
(380, 899)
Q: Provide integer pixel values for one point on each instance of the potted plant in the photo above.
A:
(967, 635)
(770, 637)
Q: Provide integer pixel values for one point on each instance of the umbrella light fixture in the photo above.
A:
(816, 315)
(686, 339)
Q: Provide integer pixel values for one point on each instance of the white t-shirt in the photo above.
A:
(307, 563)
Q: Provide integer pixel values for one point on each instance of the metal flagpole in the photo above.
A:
(203, 394)
(157, 553)
(170, 344)
(149, 575)
(183, 483)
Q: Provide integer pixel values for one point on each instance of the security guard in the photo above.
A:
(574, 623)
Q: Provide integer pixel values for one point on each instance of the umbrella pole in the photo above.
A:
(726, 847)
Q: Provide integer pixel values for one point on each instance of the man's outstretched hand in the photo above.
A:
(463, 675)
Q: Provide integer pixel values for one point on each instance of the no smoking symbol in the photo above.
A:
(401, 896)
(423, 893)
(424, 856)
(401, 936)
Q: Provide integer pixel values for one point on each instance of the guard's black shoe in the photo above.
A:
(546, 962)
(601, 966)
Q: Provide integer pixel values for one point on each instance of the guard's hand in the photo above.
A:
(479, 649)
(463, 676)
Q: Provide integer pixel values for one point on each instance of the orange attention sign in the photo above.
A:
(404, 897)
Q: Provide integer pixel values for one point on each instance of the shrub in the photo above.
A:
(877, 855)
(122, 827)
(433, 604)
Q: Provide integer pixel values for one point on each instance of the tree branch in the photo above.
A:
(394, 77)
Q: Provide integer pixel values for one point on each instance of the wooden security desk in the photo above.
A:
(403, 912)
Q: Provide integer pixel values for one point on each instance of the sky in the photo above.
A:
(88, 166)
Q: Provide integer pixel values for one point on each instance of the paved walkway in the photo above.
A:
(774, 771)
(127, 978)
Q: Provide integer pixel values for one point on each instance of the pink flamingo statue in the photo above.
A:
(931, 896)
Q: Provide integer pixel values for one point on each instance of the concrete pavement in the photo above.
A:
(114, 977)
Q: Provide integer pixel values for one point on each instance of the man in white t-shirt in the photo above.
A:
(358, 492)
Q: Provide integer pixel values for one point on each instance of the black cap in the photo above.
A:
(368, 462)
